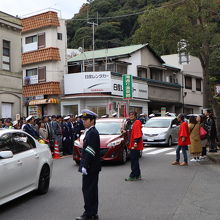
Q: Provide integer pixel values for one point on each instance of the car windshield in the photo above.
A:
(108, 128)
(158, 123)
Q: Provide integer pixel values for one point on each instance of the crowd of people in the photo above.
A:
(196, 136)
(62, 130)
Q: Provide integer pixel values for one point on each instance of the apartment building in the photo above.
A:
(155, 85)
(191, 81)
(44, 42)
(10, 66)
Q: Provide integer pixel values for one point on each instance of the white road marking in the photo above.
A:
(160, 151)
(148, 149)
(171, 153)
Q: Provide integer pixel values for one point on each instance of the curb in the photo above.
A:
(214, 157)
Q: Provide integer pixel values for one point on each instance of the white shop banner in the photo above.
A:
(96, 82)
(87, 82)
(140, 90)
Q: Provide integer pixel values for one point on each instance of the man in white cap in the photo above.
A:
(90, 166)
(67, 145)
(30, 128)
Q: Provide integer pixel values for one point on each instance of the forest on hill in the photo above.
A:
(117, 22)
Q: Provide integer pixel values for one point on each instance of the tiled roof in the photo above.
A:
(47, 88)
(46, 54)
(46, 19)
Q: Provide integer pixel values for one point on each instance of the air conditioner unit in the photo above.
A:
(27, 80)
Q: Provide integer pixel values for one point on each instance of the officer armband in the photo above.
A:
(90, 150)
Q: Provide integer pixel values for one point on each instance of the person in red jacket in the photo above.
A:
(183, 141)
(135, 146)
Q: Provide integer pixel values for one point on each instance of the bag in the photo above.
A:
(202, 133)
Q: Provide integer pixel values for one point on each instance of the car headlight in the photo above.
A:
(77, 143)
(115, 143)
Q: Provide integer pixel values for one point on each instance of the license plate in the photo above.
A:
(150, 139)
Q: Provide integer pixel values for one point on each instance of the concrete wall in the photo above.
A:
(11, 81)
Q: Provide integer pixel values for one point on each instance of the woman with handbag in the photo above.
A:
(203, 135)
(195, 148)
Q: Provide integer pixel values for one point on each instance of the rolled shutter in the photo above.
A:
(41, 40)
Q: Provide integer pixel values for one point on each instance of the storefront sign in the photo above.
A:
(127, 86)
(89, 82)
(140, 90)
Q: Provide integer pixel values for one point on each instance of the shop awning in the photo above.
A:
(44, 101)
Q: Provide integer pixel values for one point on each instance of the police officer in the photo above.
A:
(30, 128)
(90, 166)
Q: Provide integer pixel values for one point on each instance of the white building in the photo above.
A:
(44, 43)
(154, 85)
(191, 81)
(10, 66)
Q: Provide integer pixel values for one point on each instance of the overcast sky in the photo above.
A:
(25, 7)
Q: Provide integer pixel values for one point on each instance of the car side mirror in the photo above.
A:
(6, 154)
(174, 126)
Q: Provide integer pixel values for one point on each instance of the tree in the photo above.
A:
(192, 20)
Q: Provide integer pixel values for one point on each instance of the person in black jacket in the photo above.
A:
(30, 128)
(212, 132)
(90, 166)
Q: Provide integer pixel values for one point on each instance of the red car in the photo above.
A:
(113, 141)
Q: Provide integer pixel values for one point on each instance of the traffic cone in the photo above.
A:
(56, 154)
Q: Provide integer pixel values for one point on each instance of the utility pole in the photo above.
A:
(93, 40)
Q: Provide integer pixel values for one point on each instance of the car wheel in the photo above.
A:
(169, 143)
(44, 180)
(124, 156)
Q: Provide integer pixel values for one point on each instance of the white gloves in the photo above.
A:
(84, 171)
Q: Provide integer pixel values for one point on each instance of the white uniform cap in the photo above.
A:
(14, 123)
(29, 117)
(66, 118)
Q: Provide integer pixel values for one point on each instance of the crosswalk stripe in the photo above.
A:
(171, 153)
(148, 149)
(160, 151)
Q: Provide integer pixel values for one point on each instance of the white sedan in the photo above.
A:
(25, 165)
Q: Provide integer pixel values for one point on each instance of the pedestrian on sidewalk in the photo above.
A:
(43, 131)
(90, 166)
(204, 139)
(212, 132)
(195, 147)
(183, 141)
(135, 146)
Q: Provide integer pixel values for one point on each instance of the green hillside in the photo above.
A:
(110, 32)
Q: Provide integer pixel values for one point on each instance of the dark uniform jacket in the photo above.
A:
(91, 151)
(30, 129)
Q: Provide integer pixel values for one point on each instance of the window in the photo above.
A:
(6, 110)
(42, 74)
(188, 82)
(21, 142)
(31, 72)
(6, 55)
(198, 85)
(31, 39)
(5, 142)
(156, 74)
(121, 68)
(142, 73)
(59, 36)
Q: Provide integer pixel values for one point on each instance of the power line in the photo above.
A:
(102, 18)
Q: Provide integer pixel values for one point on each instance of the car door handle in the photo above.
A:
(19, 162)
(36, 156)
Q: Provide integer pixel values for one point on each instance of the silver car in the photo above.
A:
(161, 131)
